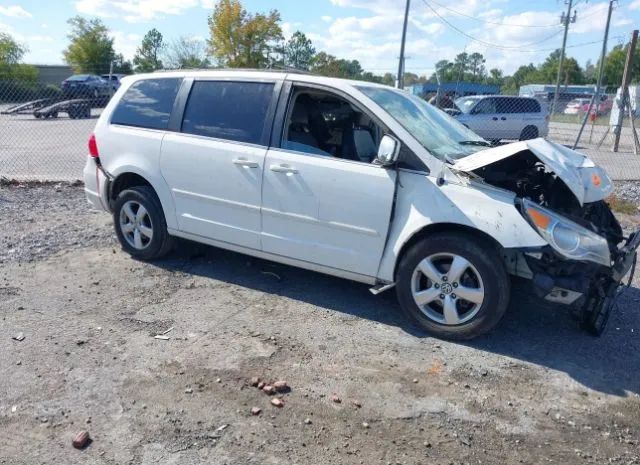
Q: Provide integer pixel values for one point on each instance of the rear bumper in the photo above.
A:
(95, 183)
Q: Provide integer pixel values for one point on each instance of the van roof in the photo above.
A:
(300, 76)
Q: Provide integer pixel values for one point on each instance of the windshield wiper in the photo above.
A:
(482, 143)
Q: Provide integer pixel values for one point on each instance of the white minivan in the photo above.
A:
(497, 117)
(361, 181)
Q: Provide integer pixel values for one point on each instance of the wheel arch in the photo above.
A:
(124, 181)
(131, 176)
(435, 228)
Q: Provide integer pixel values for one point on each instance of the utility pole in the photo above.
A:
(565, 20)
(624, 91)
(400, 80)
(111, 89)
(600, 74)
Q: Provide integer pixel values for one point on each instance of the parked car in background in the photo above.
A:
(86, 86)
(576, 106)
(360, 181)
(581, 106)
(497, 117)
(114, 79)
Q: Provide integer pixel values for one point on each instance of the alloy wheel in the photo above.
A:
(136, 225)
(447, 289)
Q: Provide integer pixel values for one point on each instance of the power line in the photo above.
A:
(493, 22)
(489, 44)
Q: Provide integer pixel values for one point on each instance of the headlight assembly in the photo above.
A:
(568, 238)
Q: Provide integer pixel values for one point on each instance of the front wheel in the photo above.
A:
(140, 223)
(454, 285)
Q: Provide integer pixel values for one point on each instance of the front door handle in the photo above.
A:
(495, 118)
(246, 163)
(503, 118)
(286, 169)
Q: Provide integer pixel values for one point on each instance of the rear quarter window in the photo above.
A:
(147, 104)
(531, 106)
(228, 110)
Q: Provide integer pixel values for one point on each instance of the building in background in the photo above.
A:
(53, 74)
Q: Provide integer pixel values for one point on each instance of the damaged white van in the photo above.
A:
(360, 181)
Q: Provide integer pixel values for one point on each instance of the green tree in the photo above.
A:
(241, 39)
(328, 65)
(388, 79)
(590, 72)
(120, 65)
(186, 53)
(299, 51)
(11, 54)
(571, 71)
(411, 79)
(614, 65)
(525, 74)
(495, 77)
(90, 49)
(476, 67)
(147, 57)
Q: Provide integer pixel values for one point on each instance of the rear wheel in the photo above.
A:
(529, 132)
(454, 285)
(140, 223)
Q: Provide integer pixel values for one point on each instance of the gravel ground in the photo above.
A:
(628, 190)
(537, 390)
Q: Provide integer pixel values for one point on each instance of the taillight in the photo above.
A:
(93, 146)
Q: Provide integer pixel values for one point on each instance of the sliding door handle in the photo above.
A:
(286, 169)
(246, 163)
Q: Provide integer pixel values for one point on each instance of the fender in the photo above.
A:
(159, 186)
(421, 202)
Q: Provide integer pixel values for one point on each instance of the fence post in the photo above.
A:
(624, 93)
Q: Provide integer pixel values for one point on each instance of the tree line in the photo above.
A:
(240, 39)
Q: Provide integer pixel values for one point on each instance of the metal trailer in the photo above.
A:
(28, 108)
(76, 109)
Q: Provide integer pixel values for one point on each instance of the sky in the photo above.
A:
(509, 33)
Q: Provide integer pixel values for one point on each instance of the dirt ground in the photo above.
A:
(537, 390)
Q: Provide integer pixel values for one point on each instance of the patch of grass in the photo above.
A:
(619, 205)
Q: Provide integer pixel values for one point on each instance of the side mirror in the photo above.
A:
(388, 150)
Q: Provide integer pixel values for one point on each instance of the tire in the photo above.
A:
(529, 132)
(130, 222)
(483, 279)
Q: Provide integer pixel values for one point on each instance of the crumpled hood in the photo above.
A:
(588, 182)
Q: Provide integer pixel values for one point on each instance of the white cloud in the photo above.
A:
(14, 11)
(135, 11)
(125, 43)
(635, 5)
(326, 19)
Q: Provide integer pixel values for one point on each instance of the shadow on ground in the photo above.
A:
(532, 330)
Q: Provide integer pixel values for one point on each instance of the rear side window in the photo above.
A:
(228, 110)
(518, 105)
(531, 106)
(147, 104)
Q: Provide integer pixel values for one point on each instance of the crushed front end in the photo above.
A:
(588, 255)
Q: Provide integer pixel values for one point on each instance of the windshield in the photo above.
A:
(78, 77)
(465, 104)
(436, 131)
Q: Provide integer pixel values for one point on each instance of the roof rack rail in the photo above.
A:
(259, 70)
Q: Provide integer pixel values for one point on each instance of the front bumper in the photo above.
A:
(571, 282)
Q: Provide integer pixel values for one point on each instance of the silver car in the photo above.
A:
(496, 117)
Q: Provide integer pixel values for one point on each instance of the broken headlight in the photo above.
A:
(566, 237)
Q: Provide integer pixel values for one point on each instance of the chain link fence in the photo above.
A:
(44, 128)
